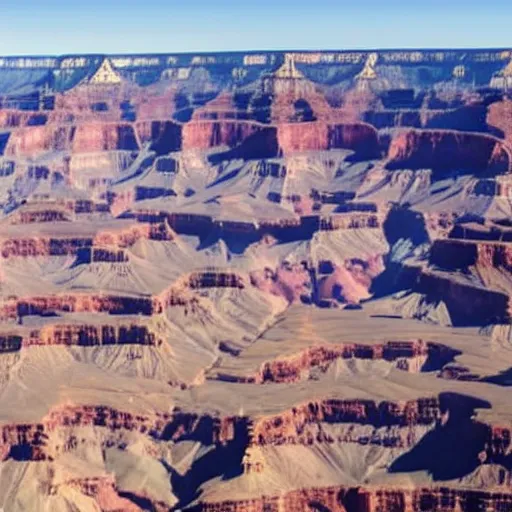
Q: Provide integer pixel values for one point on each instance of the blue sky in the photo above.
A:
(36, 27)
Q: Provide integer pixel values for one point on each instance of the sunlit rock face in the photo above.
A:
(265, 281)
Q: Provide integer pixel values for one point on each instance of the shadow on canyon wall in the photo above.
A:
(452, 449)
(224, 460)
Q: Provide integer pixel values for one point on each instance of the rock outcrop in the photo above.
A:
(410, 356)
(84, 138)
(445, 151)
(339, 499)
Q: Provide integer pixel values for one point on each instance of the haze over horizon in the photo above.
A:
(31, 27)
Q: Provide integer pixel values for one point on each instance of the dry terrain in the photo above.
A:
(262, 282)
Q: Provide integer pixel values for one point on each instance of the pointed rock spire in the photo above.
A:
(106, 74)
(288, 69)
(368, 72)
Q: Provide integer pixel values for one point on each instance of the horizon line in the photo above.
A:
(249, 51)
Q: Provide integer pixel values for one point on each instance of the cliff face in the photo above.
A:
(16, 119)
(84, 138)
(407, 355)
(463, 299)
(38, 139)
(76, 303)
(16, 247)
(303, 137)
(165, 136)
(299, 426)
(98, 137)
(339, 499)
(361, 138)
(318, 136)
(90, 335)
(35, 442)
(445, 150)
(206, 134)
(499, 117)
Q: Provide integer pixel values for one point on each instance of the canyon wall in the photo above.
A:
(448, 150)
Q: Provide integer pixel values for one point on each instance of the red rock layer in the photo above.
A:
(176, 294)
(353, 220)
(340, 499)
(19, 118)
(176, 426)
(298, 425)
(88, 335)
(208, 134)
(93, 137)
(445, 150)
(316, 136)
(290, 369)
(42, 215)
(77, 303)
(83, 138)
(49, 246)
(215, 279)
(37, 139)
(297, 137)
(292, 137)
(359, 137)
(34, 436)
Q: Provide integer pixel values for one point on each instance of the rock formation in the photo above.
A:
(265, 281)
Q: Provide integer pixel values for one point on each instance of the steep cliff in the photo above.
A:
(448, 150)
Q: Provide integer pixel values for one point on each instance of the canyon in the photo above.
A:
(256, 281)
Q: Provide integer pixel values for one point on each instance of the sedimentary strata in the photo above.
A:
(264, 281)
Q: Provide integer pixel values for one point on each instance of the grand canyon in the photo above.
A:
(256, 282)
